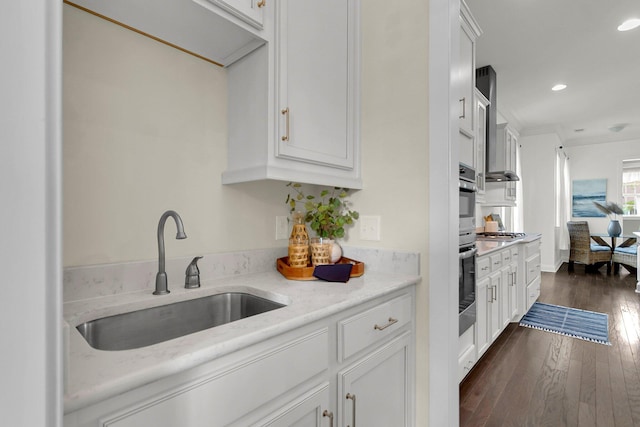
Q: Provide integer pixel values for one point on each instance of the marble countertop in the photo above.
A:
(488, 246)
(94, 375)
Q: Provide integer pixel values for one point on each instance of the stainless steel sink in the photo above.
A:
(157, 324)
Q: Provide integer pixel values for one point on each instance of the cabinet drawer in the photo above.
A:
(531, 249)
(533, 292)
(362, 330)
(483, 266)
(223, 397)
(496, 262)
(466, 340)
(515, 253)
(533, 268)
(506, 257)
(466, 362)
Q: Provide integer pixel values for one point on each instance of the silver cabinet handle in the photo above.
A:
(285, 113)
(464, 104)
(382, 328)
(353, 417)
(330, 415)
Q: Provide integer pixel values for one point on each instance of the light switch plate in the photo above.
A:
(370, 228)
(282, 228)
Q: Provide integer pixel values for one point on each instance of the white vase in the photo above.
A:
(336, 252)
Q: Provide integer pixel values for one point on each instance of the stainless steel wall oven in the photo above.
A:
(467, 249)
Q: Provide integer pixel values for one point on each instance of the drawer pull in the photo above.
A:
(390, 322)
(353, 415)
(285, 113)
(330, 415)
(261, 3)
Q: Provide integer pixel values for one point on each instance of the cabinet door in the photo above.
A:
(505, 292)
(467, 75)
(309, 410)
(513, 292)
(511, 150)
(315, 51)
(375, 391)
(483, 304)
(481, 142)
(495, 289)
(250, 11)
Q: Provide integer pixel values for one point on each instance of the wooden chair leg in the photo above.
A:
(570, 266)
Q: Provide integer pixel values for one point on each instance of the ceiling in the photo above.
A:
(534, 44)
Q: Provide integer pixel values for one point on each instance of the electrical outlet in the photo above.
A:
(369, 227)
(282, 228)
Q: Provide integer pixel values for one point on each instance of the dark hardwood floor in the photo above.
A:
(535, 378)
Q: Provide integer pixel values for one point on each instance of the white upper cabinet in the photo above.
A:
(480, 142)
(250, 11)
(208, 29)
(313, 54)
(469, 32)
(294, 104)
(504, 193)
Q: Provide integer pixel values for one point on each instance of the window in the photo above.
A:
(631, 186)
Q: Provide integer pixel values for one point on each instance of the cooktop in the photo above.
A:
(500, 235)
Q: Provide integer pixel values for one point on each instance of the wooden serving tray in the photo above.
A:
(306, 273)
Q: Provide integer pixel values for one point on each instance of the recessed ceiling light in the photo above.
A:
(559, 86)
(618, 127)
(629, 24)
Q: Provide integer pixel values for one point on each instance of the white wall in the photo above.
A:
(31, 300)
(145, 131)
(394, 142)
(591, 161)
(538, 160)
(604, 160)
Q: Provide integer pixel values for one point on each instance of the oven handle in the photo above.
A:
(468, 254)
(467, 186)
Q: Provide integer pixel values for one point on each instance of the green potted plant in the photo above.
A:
(327, 216)
(610, 208)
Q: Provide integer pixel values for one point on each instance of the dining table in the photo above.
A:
(629, 240)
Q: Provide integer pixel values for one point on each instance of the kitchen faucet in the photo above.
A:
(161, 277)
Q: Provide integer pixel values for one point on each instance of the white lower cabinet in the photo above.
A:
(308, 410)
(496, 325)
(497, 290)
(362, 401)
(503, 295)
(467, 352)
(531, 274)
(299, 378)
(482, 322)
(515, 284)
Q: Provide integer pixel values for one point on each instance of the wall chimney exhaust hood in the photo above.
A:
(496, 170)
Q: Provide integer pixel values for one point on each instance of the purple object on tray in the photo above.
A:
(333, 272)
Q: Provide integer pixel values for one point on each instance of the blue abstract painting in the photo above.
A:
(585, 192)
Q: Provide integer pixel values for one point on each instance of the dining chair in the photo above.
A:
(627, 256)
(582, 250)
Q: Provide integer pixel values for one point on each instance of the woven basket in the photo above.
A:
(320, 251)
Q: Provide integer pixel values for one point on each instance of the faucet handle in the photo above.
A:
(192, 278)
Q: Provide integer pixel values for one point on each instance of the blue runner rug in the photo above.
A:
(581, 324)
